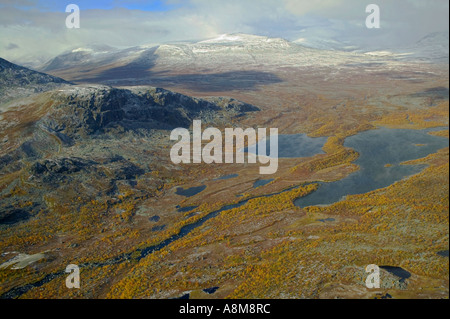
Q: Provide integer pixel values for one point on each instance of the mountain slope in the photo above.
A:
(228, 62)
(79, 56)
(225, 63)
(433, 47)
(325, 44)
(95, 139)
(18, 81)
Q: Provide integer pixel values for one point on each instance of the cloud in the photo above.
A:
(11, 46)
(40, 33)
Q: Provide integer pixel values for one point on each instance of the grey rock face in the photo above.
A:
(18, 81)
(61, 165)
(82, 111)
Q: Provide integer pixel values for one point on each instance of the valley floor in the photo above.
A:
(125, 239)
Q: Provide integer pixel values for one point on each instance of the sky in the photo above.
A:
(35, 30)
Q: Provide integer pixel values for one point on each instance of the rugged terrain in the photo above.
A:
(17, 81)
(86, 178)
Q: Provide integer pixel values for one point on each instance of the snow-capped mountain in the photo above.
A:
(325, 44)
(246, 40)
(433, 47)
(227, 53)
(79, 56)
(226, 46)
(233, 49)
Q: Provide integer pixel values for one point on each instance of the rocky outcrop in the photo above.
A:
(69, 169)
(60, 165)
(86, 110)
(17, 81)
(233, 105)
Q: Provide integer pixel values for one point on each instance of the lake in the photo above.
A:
(293, 146)
(381, 152)
(189, 192)
(262, 182)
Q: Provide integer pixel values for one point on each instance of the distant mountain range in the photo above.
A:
(325, 44)
(235, 49)
(231, 60)
(433, 47)
(234, 61)
(226, 53)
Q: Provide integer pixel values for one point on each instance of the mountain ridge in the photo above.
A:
(18, 81)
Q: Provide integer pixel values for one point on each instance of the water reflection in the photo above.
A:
(378, 148)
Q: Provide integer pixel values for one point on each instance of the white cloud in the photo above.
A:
(44, 35)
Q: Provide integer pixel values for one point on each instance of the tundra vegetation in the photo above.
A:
(87, 193)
